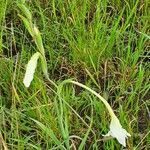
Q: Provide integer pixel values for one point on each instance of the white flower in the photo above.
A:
(117, 131)
(31, 66)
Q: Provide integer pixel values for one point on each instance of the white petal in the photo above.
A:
(31, 66)
(108, 134)
(117, 131)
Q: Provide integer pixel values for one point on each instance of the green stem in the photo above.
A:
(111, 112)
(52, 82)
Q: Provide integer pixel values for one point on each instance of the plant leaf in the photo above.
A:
(44, 65)
(27, 24)
(49, 132)
(25, 10)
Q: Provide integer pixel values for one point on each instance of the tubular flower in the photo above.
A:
(117, 131)
(31, 66)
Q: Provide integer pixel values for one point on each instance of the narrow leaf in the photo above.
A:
(27, 24)
(49, 132)
(25, 10)
(38, 40)
(44, 66)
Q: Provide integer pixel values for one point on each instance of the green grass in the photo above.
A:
(102, 44)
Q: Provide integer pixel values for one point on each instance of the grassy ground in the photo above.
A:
(102, 44)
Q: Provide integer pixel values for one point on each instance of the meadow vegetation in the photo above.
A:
(102, 44)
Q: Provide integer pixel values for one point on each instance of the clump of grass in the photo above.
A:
(115, 127)
(111, 45)
(2, 17)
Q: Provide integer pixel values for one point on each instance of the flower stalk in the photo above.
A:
(116, 129)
